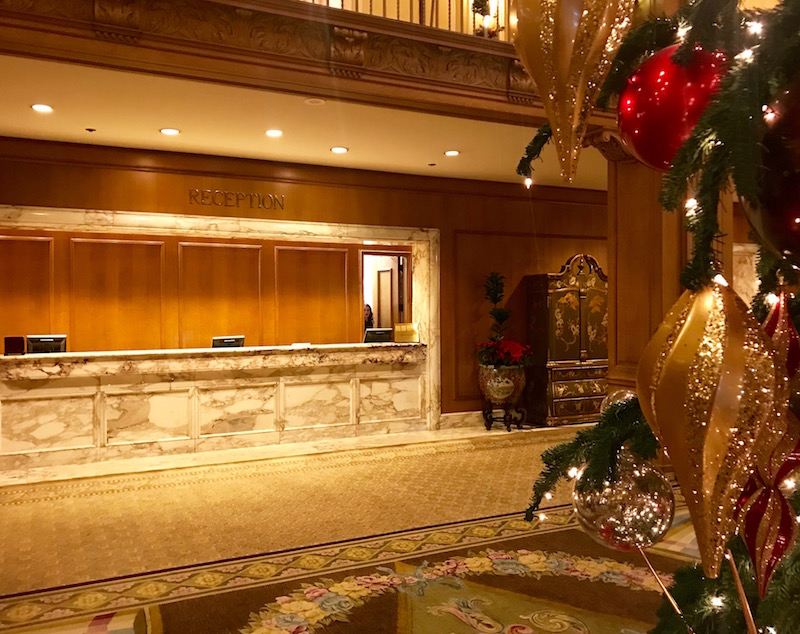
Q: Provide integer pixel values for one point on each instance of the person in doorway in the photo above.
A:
(369, 321)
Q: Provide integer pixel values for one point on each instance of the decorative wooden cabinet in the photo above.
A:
(568, 334)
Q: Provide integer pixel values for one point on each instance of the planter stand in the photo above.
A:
(510, 415)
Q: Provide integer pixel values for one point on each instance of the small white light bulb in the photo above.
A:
(528, 183)
(717, 602)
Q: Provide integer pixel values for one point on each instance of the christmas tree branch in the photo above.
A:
(596, 451)
(533, 150)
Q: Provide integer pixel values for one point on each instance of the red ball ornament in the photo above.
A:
(777, 219)
(663, 101)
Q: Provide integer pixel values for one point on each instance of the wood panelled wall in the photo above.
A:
(483, 225)
(134, 293)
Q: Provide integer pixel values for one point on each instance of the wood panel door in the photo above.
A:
(219, 292)
(385, 300)
(116, 294)
(26, 285)
(311, 298)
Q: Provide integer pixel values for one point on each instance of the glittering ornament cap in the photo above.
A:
(567, 47)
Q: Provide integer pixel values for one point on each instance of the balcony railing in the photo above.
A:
(451, 15)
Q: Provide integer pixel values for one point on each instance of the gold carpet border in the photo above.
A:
(87, 600)
(184, 476)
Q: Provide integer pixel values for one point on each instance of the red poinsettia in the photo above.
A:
(504, 352)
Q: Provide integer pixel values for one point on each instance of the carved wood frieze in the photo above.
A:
(521, 88)
(347, 52)
(210, 23)
(74, 9)
(117, 20)
(308, 42)
(440, 63)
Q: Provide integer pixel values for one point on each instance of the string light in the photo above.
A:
(573, 472)
(548, 496)
(720, 280)
(717, 601)
(746, 55)
(683, 31)
(528, 183)
(542, 517)
(755, 27)
(772, 299)
(691, 207)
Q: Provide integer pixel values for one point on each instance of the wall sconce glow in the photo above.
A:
(528, 183)
(170, 131)
(339, 149)
(274, 134)
(42, 108)
(718, 279)
(452, 153)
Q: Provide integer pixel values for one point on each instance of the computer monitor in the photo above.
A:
(40, 344)
(231, 341)
(378, 335)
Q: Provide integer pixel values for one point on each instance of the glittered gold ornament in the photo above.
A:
(635, 511)
(567, 47)
(707, 383)
(766, 519)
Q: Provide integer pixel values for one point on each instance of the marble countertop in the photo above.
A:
(168, 362)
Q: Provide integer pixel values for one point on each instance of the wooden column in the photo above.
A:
(646, 252)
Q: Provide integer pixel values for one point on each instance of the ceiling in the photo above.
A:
(128, 110)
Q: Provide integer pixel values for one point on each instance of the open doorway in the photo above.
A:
(386, 288)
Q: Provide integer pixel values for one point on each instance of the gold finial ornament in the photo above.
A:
(707, 383)
(567, 47)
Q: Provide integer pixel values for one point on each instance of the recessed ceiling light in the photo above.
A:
(451, 153)
(170, 131)
(274, 134)
(338, 149)
(42, 107)
(314, 101)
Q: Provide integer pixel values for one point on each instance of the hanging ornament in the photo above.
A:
(776, 219)
(766, 519)
(617, 396)
(635, 511)
(662, 102)
(567, 47)
(707, 384)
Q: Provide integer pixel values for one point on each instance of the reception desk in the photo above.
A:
(75, 408)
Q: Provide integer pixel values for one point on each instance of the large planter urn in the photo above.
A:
(502, 387)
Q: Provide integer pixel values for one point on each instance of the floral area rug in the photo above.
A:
(499, 574)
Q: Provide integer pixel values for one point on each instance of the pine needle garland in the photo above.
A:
(533, 150)
(596, 451)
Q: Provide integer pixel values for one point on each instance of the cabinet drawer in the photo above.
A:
(577, 406)
(576, 389)
(577, 374)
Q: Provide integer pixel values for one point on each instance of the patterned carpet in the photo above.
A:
(79, 531)
(492, 575)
